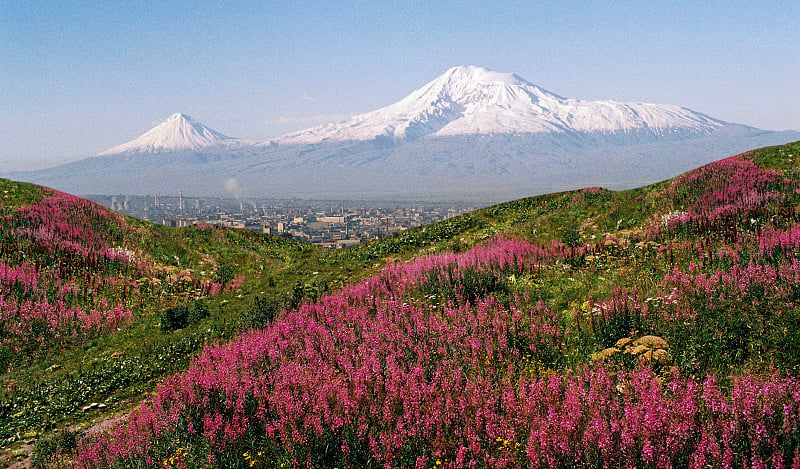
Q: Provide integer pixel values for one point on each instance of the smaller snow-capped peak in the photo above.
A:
(178, 132)
(474, 100)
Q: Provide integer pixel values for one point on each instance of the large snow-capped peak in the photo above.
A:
(473, 100)
(178, 133)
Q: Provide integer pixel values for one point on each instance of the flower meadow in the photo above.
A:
(57, 273)
(96, 308)
(71, 270)
(680, 349)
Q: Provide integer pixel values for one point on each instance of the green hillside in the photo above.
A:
(655, 292)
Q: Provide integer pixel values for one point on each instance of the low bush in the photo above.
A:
(262, 312)
(181, 316)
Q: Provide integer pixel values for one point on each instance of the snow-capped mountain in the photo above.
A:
(178, 133)
(470, 134)
(474, 100)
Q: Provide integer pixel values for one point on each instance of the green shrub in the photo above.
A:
(224, 273)
(304, 292)
(174, 318)
(6, 356)
(197, 312)
(469, 284)
(570, 236)
(181, 316)
(262, 312)
(619, 320)
(47, 450)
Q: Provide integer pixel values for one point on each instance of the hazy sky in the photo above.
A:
(79, 77)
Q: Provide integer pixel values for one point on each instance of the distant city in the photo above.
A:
(328, 223)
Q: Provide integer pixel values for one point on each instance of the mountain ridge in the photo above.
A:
(470, 134)
(462, 101)
(475, 100)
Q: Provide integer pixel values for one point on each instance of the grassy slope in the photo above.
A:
(50, 392)
(47, 389)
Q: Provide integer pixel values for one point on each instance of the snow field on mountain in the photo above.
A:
(465, 100)
(179, 132)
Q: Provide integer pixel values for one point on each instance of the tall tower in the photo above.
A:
(180, 201)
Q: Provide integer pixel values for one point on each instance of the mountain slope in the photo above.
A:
(470, 134)
(178, 132)
(88, 302)
(473, 100)
(650, 327)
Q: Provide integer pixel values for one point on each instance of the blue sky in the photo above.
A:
(80, 77)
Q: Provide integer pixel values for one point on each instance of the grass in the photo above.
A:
(43, 396)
